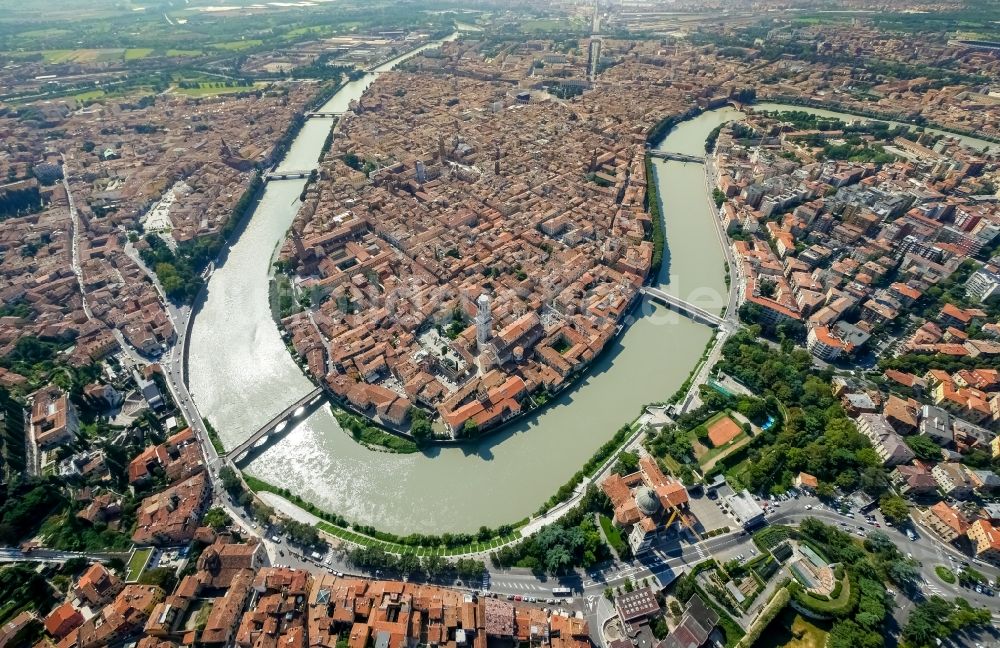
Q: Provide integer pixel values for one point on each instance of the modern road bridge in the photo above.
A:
(271, 427)
(683, 307)
(676, 157)
(289, 175)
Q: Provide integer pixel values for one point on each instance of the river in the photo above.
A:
(240, 373)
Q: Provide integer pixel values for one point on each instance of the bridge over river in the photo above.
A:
(686, 308)
(295, 174)
(274, 426)
(676, 157)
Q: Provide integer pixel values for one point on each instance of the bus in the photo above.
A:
(561, 592)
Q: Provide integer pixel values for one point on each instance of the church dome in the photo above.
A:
(647, 501)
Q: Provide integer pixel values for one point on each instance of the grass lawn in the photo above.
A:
(733, 474)
(58, 56)
(236, 46)
(945, 574)
(136, 563)
(88, 96)
(136, 53)
(200, 619)
(184, 52)
(792, 630)
(109, 55)
(672, 464)
(206, 90)
(546, 24)
(613, 535)
(834, 606)
(52, 32)
(316, 30)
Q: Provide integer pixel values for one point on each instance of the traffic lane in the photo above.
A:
(928, 553)
(923, 546)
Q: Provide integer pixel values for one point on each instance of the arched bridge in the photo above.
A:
(676, 157)
(683, 307)
(274, 426)
(289, 175)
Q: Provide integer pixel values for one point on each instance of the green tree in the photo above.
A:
(162, 577)
(880, 543)
(903, 573)
(850, 634)
(217, 518)
(230, 480)
(895, 509)
(470, 429)
(420, 425)
(937, 618)
(923, 447)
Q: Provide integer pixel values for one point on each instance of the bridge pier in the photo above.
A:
(271, 428)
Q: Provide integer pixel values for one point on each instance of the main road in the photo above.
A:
(675, 556)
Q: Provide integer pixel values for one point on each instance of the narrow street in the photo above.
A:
(75, 219)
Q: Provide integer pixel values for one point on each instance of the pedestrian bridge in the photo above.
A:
(289, 175)
(676, 157)
(273, 428)
(683, 307)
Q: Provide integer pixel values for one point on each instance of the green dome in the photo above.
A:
(647, 501)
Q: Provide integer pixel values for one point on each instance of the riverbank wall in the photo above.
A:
(836, 106)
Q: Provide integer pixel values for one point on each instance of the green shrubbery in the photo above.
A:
(572, 541)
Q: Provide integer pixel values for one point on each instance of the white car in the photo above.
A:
(809, 507)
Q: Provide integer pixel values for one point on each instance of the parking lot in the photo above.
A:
(709, 513)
